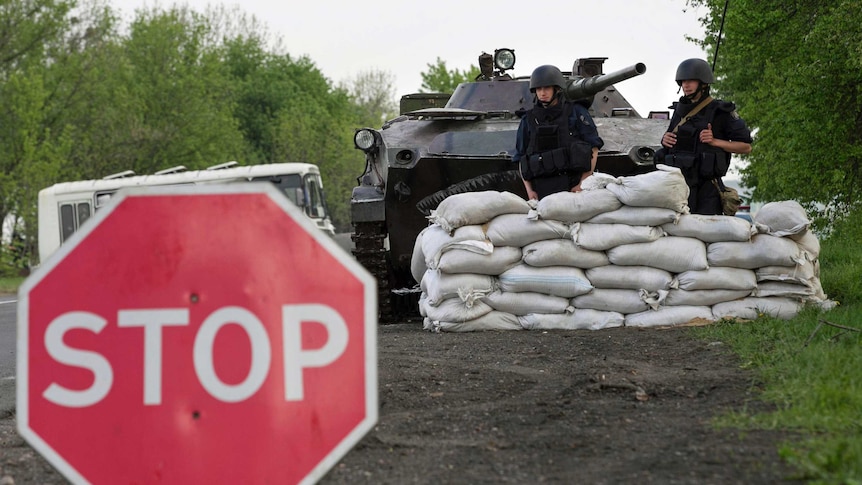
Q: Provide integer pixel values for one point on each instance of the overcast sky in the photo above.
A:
(344, 38)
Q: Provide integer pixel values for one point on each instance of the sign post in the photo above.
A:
(206, 334)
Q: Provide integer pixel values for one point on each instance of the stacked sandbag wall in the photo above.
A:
(623, 252)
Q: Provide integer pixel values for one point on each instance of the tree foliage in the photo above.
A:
(440, 79)
(373, 93)
(794, 69)
(84, 96)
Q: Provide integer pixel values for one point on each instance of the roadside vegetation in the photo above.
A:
(809, 368)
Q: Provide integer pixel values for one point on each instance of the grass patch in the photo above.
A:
(11, 284)
(811, 372)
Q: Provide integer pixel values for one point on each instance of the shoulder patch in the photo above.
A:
(726, 106)
(734, 115)
(585, 120)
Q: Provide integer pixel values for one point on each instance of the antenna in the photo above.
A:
(718, 40)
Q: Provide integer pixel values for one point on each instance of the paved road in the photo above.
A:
(8, 307)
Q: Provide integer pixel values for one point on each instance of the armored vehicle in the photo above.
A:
(442, 145)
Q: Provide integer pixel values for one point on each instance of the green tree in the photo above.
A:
(186, 103)
(794, 69)
(439, 79)
(373, 92)
(36, 36)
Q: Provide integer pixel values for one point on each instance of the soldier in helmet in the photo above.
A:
(702, 135)
(557, 142)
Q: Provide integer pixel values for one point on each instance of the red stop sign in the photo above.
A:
(197, 335)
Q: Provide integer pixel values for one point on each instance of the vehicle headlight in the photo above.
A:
(365, 139)
(504, 59)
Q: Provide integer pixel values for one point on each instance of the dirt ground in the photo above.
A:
(611, 406)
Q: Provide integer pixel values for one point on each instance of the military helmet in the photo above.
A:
(546, 75)
(694, 69)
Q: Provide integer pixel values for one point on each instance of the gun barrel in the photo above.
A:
(586, 87)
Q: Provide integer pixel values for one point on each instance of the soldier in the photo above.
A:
(557, 143)
(702, 135)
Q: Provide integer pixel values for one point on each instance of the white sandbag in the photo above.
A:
(716, 278)
(476, 208)
(702, 297)
(665, 187)
(517, 230)
(612, 300)
(576, 206)
(629, 278)
(564, 281)
(562, 252)
(522, 303)
(600, 237)
(752, 308)
(453, 310)
(597, 180)
(583, 319)
(800, 274)
(809, 243)
(762, 250)
(490, 321)
(463, 261)
(418, 266)
(785, 289)
(669, 316)
(435, 241)
(637, 216)
(671, 253)
(781, 218)
(711, 228)
(468, 287)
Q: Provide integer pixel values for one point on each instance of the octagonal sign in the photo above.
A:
(207, 334)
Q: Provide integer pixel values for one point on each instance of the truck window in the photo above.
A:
(72, 215)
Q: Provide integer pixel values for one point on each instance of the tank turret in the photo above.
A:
(434, 150)
(587, 87)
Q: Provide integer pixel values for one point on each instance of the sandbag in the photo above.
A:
(637, 216)
(468, 208)
(801, 274)
(580, 319)
(523, 303)
(785, 289)
(453, 310)
(752, 308)
(564, 281)
(576, 206)
(665, 187)
(809, 243)
(716, 278)
(629, 277)
(463, 261)
(517, 230)
(435, 241)
(468, 287)
(711, 228)
(671, 253)
(599, 237)
(562, 252)
(702, 297)
(612, 300)
(762, 250)
(782, 218)
(669, 316)
(493, 320)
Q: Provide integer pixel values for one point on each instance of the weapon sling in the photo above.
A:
(693, 112)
